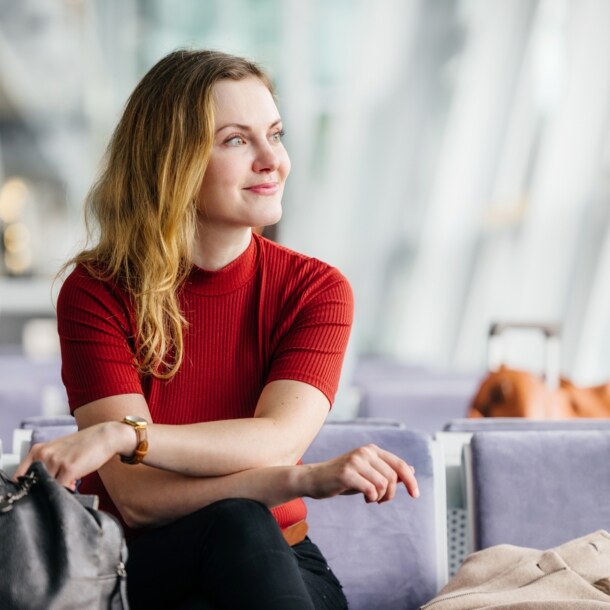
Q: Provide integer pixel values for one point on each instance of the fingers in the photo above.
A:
(34, 455)
(362, 472)
(62, 469)
(361, 483)
(22, 468)
(405, 472)
(375, 473)
(379, 473)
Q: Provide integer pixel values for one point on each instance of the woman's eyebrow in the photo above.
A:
(245, 127)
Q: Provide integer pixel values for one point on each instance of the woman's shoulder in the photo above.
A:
(304, 278)
(83, 277)
(85, 284)
(292, 262)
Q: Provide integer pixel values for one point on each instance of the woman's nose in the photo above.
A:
(266, 159)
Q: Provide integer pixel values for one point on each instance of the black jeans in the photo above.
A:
(230, 555)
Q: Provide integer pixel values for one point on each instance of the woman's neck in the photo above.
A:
(214, 250)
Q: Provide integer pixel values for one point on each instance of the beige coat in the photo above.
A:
(574, 576)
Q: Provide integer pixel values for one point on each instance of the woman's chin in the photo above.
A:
(269, 218)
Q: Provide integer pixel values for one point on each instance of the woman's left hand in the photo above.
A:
(369, 470)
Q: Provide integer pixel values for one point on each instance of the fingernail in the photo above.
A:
(416, 493)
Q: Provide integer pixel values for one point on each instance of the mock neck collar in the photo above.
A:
(228, 279)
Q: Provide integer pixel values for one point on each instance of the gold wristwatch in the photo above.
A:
(139, 424)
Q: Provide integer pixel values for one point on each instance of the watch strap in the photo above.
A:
(141, 449)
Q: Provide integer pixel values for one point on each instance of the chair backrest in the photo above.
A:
(521, 423)
(453, 439)
(537, 488)
(424, 403)
(28, 387)
(393, 555)
(40, 429)
(44, 434)
(43, 421)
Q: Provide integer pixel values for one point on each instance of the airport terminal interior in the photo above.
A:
(450, 157)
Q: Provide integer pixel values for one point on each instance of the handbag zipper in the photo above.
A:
(24, 486)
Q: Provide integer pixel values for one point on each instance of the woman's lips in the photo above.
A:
(266, 188)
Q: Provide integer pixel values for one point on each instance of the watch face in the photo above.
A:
(135, 419)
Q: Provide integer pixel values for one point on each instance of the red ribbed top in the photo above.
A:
(270, 314)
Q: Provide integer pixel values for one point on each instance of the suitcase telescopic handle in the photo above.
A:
(551, 334)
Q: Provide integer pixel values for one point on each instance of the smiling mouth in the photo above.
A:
(267, 188)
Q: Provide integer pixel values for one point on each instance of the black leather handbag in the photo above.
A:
(57, 553)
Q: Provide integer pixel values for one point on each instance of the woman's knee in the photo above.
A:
(243, 521)
(240, 513)
(239, 506)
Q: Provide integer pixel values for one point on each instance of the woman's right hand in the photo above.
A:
(369, 470)
(71, 457)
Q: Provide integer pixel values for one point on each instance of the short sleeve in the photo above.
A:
(312, 346)
(96, 338)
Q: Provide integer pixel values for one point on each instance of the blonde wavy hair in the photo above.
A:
(142, 209)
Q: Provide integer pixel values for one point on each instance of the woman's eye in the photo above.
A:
(277, 136)
(235, 141)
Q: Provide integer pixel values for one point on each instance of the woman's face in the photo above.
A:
(244, 180)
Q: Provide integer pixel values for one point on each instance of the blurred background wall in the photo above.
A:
(452, 157)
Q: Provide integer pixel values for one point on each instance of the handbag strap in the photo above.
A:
(23, 485)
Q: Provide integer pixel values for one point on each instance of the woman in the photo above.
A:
(201, 359)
